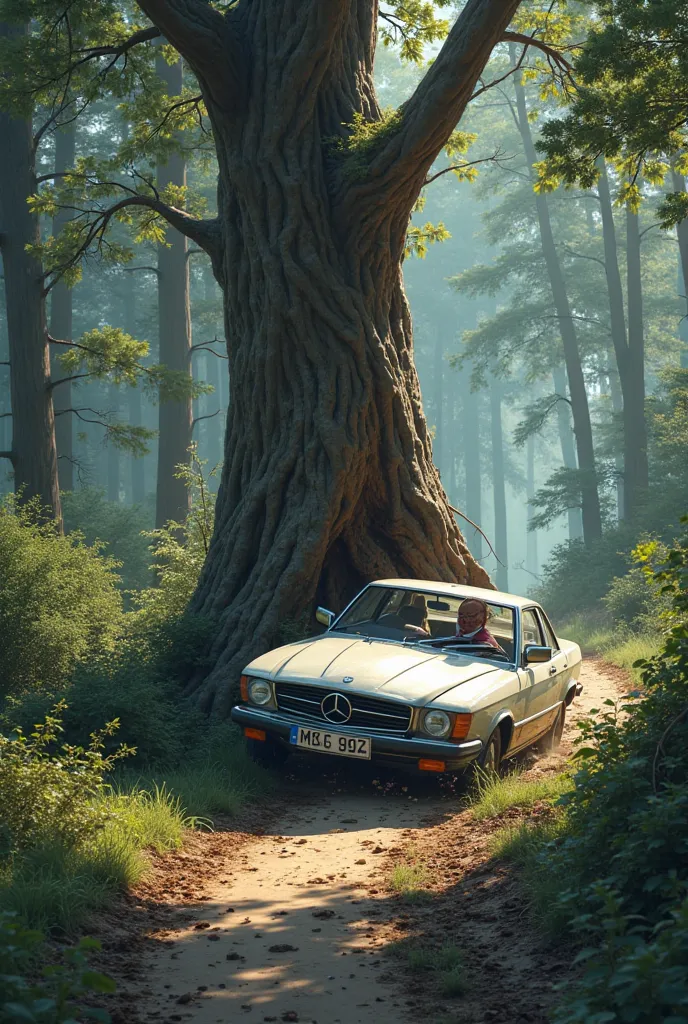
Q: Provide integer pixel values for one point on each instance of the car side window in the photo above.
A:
(550, 638)
(530, 628)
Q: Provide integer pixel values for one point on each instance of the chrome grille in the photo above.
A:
(368, 712)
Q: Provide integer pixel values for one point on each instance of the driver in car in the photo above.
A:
(471, 621)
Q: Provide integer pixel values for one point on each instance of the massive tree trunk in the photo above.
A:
(174, 320)
(33, 454)
(328, 479)
(628, 349)
(636, 474)
(582, 427)
(499, 484)
(61, 326)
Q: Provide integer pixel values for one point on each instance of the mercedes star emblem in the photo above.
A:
(348, 679)
(336, 708)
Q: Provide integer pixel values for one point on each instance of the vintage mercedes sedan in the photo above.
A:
(391, 681)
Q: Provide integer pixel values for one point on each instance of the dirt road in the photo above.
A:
(292, 925)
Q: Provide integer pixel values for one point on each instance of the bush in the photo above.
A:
(623, 848)
(121, 529)
(59, 602)
(52, 795)
(54, 998)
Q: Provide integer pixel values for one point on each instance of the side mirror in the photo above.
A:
(533, 654)
(324, 616)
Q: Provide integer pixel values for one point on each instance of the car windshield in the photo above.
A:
(421, 616)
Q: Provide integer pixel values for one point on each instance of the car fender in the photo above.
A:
(497, 720)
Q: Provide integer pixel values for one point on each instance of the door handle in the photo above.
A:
(553, 670)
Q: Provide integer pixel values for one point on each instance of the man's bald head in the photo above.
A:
(472, 615)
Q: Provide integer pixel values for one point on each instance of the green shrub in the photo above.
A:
(51, 795)
(59, 602)
(623, 846)
(120, 528)
(55, 998)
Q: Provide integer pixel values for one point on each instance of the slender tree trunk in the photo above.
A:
(33, 454)
(472, 462)
(135, 410)
(617, 411)
(174, 319)
(568, 445)
(438, 395)
(61, 327)
(679, 183)
(627, 349)
(532, 560)
(636, 474)
(216, 370)
(582, 427)
(499, 485)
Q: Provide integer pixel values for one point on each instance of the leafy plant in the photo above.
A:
(55, 997)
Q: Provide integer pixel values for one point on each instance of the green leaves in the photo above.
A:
(418, 239)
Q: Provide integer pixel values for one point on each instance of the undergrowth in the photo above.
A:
(493, 794)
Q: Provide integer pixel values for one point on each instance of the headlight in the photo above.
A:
(259, 691)
(436, 723)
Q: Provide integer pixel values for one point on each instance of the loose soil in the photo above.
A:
(286, 915)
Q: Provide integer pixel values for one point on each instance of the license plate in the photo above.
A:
(330, 742)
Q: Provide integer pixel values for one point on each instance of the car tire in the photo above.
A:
(490, 758)
(266, 753)
(552, 738)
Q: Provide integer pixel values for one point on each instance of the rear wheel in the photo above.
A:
(552, 738)
(490, 759)
(266, 753)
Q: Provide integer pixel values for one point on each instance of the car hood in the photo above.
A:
(410, 674)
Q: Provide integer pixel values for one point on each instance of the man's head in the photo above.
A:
(472, 615)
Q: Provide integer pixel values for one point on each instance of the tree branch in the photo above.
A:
(435, 108)
(555, 55)
(208, 41)
(142, 36)
(209, 416)
(50, 387)
(8, 455)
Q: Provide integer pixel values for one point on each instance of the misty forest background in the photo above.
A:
(546, 267)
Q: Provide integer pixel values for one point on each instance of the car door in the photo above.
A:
(559, 658)
(537, 683)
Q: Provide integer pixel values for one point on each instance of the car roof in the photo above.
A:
(456, 589)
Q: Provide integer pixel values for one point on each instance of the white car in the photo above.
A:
(389, 681)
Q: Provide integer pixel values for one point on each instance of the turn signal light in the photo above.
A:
(243, 682)
(431, 766)
(462, 726)
(254, 734)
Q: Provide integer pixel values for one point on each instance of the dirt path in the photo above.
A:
(291, 925)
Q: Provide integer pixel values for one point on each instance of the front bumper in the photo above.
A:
(395, 750)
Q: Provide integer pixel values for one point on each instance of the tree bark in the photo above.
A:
(582, 427)
(679, 183)
(135, 405)
(174, 319)
(636, 474)
(628, 349)
(499, 485)
(568, 446)
(532, 560)
(61, 327)
(33, 453)
(328, 479)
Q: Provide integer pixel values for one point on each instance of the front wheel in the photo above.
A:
(491, 756)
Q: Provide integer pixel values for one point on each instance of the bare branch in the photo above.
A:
(8, 455)
(149, 270)
(463, 516)
(66, 380)
(461, 167)
(210, 416)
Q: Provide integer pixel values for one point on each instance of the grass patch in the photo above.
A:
(408, 880)
(446, 963)
(493, 794)
(627, 650)
(54, 887)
